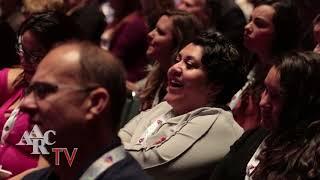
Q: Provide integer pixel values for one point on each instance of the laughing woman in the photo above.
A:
(174, 30)
(193, 129)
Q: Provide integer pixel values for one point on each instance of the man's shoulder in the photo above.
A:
(42, 174)
(126, 169)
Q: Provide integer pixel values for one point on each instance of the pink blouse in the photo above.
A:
(12, 157)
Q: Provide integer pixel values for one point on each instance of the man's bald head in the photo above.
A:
(90, 66)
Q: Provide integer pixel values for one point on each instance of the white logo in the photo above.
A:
(37, 140)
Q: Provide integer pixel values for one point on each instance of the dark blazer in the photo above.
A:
(234, 164)
(125, 169)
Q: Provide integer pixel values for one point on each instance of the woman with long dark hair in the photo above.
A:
(286, 146)
(272, 30)
(291, 150)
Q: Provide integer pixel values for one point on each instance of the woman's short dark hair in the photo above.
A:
(50, 28)
(286, 25)
(220, 61)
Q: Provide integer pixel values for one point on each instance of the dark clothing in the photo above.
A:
(8, 53)
(91, 22)
(232, 26)
(231, 21)
(126, 169)
(234, 164)
(130, 43)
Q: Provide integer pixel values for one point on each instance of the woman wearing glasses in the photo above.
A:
(37, 35)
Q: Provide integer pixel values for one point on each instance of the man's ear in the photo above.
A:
(97, 102)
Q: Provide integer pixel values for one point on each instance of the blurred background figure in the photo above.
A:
(8, 42)
(316, 33)
(126, 37)
(176, 2)
(246, 7)
(88, 16)
(308, 10)
(38, 6)
(199, 8)
(10, 11)
(224, 16)
(154, 9)
(107, 11)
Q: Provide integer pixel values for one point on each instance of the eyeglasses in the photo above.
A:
(43, 89)
(32, 58)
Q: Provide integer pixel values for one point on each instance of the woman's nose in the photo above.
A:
(248, 27)
(151, 34)
(175, 69)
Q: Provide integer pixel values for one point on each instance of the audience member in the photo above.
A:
(286, 146)
(10, 11)
(272, 30)
(199, 8)
(308, 10)
(246, 7)
(78, 91)
(154, 9)
(316, 33)
(126, 37)
(8, 53)
(224, 16)
(193, 129)
(88, 16)
(36, 36)
(38, 6)
(174, 30)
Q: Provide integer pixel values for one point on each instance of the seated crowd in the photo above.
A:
(160, 89)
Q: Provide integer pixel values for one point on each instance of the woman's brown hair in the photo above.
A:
(185, 28)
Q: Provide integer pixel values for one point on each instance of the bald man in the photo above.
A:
(77, 94)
